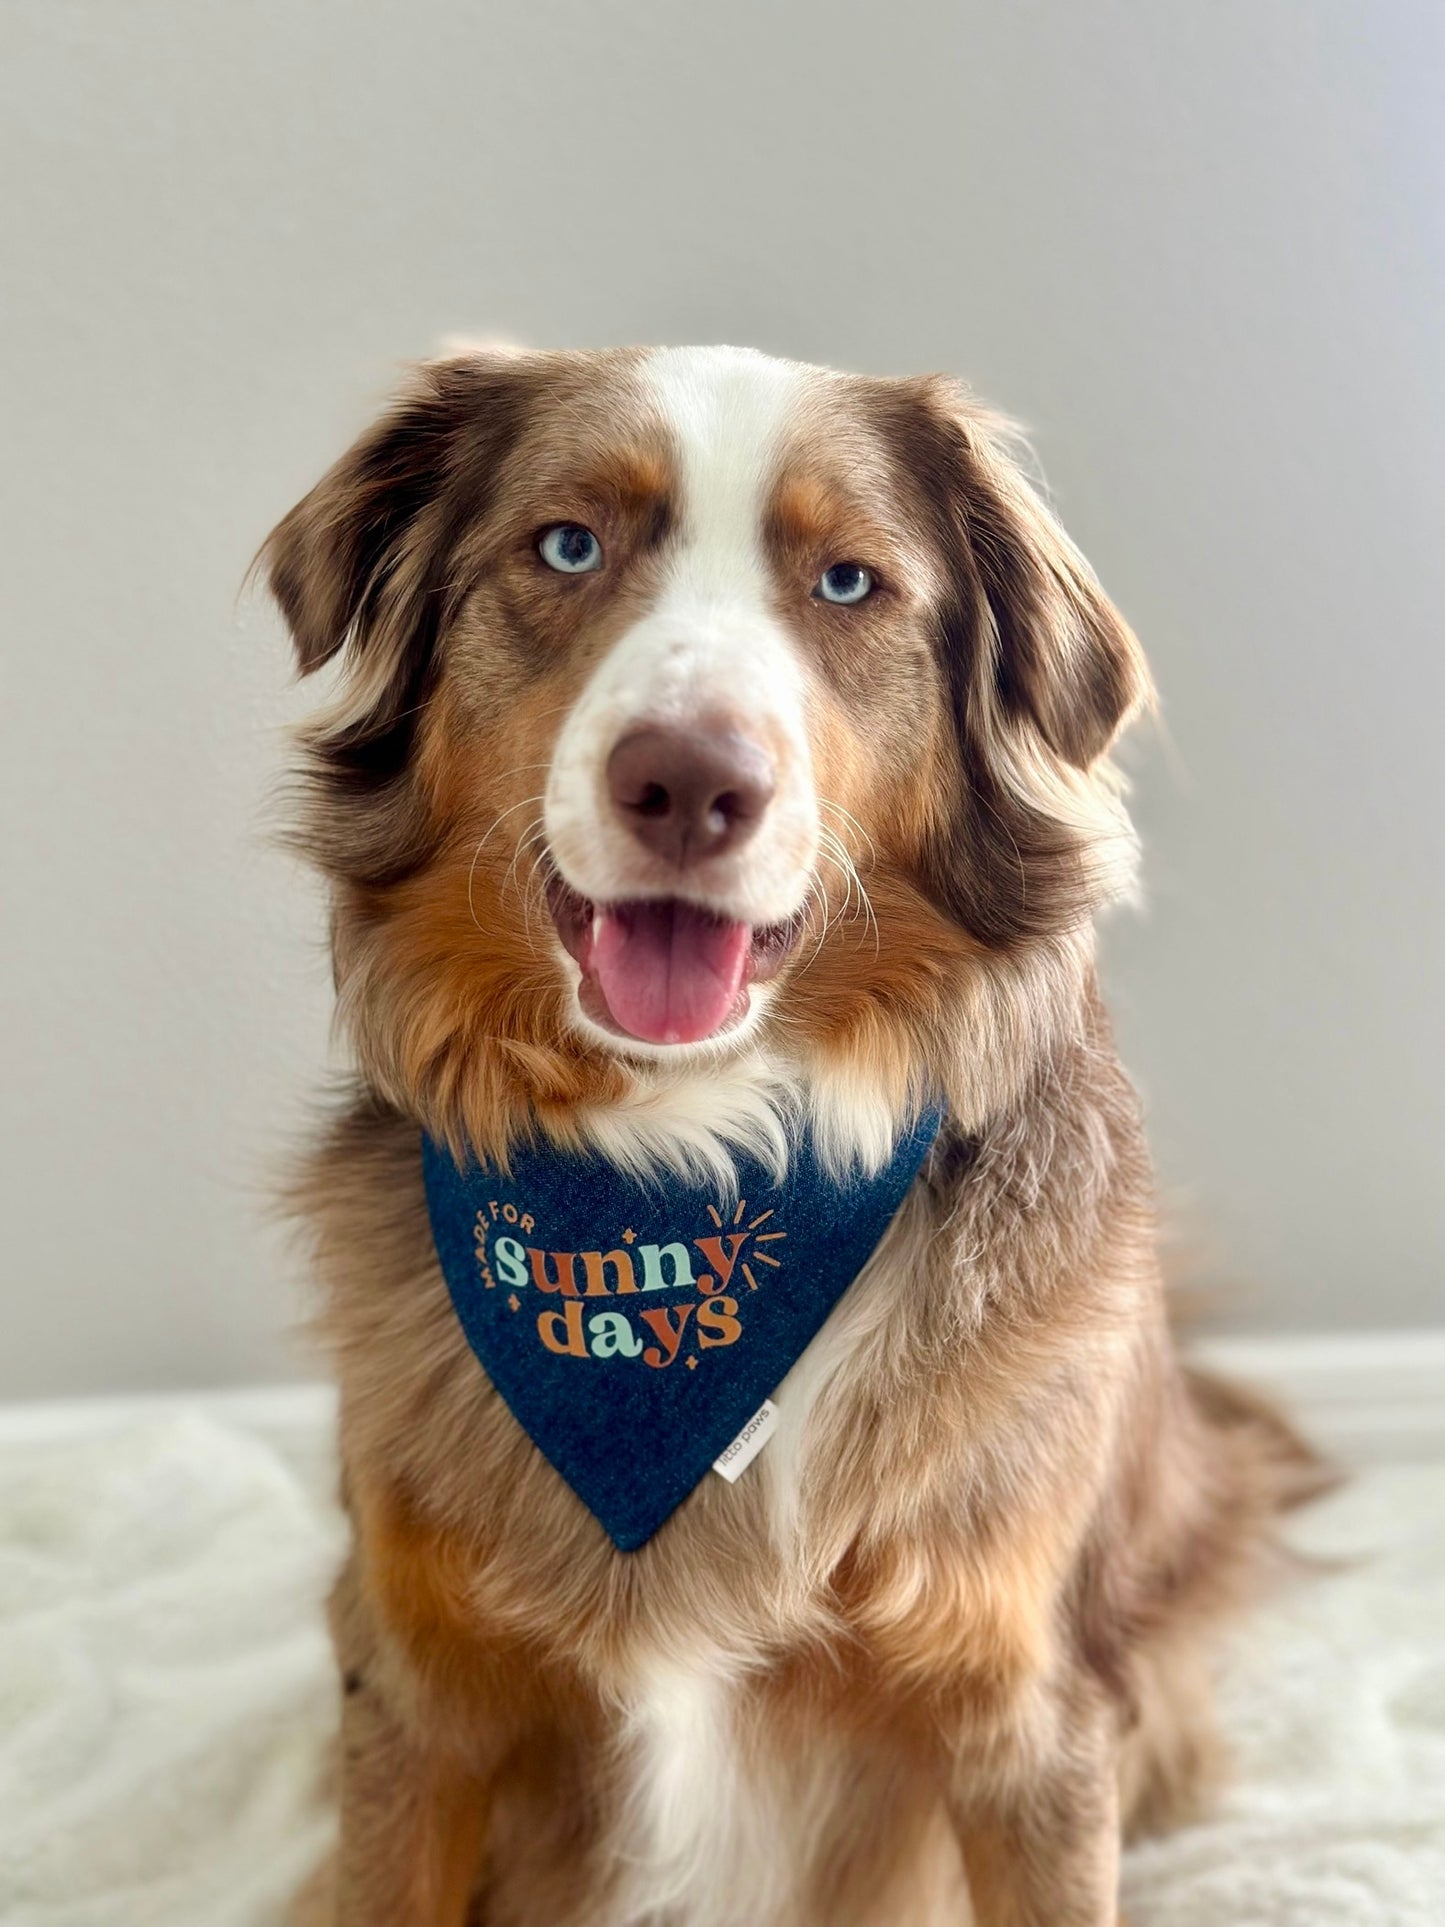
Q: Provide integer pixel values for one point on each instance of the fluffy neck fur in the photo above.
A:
(973, 1035)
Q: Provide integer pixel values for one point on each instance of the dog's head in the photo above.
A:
(692, 704)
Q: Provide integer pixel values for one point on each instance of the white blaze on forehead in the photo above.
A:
(712, 648)
(728, 410)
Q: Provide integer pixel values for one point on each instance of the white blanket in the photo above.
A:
(166, 1696)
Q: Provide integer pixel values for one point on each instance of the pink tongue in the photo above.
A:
(670, 973)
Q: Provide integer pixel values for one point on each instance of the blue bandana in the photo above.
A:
(635, 1328)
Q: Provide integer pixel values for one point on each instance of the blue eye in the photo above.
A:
(844, 582)
(570, 549)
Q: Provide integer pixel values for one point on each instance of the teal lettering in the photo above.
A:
(613, 1336)
(509, 1260)
(652, 1257)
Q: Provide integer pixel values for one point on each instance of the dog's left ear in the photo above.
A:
(1054, 652)
(1042, 673)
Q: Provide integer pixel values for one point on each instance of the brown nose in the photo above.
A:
(689, 793)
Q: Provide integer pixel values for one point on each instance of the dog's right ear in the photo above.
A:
(351, 564)
(362, 563)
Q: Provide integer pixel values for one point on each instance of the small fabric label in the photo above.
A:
(748, 1443)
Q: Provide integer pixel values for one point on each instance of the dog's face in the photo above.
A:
(692, 701)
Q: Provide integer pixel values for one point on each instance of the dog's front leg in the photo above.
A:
(412, 1825)
(1040, 1839)
(414, 1811)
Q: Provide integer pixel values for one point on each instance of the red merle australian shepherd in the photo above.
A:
(717, 763)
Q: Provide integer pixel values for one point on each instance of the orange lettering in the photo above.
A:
(718, 1315)
(720, 1259)
(569, 1339)
(563, 1265)
(668, 1335)
(595, 1263)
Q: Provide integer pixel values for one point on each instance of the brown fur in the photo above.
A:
(1020, 1518)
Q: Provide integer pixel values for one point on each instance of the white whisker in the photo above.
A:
(527, 802)
(841, 856)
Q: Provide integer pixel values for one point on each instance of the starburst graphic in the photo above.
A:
(758, 1237)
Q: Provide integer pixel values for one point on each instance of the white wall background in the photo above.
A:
(1199, 247)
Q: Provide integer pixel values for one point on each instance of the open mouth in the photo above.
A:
(662, 970)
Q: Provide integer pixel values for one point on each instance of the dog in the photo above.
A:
(716, 778)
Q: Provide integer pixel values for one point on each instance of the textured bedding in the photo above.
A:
(166, 1699)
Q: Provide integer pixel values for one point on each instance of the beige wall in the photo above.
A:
(1198, 247)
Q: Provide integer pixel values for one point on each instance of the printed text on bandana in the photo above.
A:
(653, 1304)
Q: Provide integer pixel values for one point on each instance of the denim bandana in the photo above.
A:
(634, 1327)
